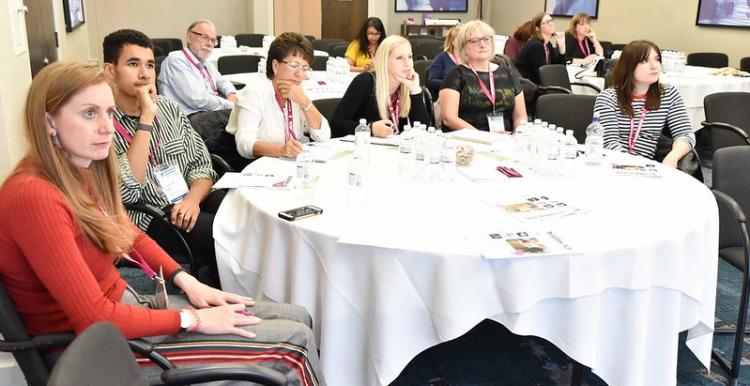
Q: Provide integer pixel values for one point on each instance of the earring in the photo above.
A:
(53, 135)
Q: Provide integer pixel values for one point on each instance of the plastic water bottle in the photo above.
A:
(362, 140)
(433, 154)
(405, 147)
(357, 194)
(262, 67)
(594, 142)
(448, 158)
(570, 145)
(519, 144)
(304, 168)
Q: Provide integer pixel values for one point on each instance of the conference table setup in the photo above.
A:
(693, 82)
(601, 261)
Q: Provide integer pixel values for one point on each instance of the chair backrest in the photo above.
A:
(311, 38)
(327, 107)
(745, 64)
(234, 64)
(99, 356)
(337, 49)
(571, 111)
(427, 48)
(168, 44)
(25, 349)
(322, 44)
(319, 63)
(421, 67)
(730, 108)
(708, 59)
(554, 75)
(606, 48)
(731, 175)
(250, 40)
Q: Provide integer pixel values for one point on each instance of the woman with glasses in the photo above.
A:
(479, 94)
(538, 51)
(361, 50)
(271, 118)
(580, 40)
(388, 99)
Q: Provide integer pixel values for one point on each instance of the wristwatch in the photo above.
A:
(144, 127)
(186, 319)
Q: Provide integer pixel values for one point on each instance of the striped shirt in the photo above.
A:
(671, 113)
(173, 141)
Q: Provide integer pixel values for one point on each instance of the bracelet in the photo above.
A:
(197, 320)
(308, 107)
(144, 127)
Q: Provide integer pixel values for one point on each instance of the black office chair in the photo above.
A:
(745, 64)
(708, 59)
(337, 49)
(427, 48)
(727, 119)
(319, 63)
(553, 78)
(327, 107)
(570, 111)
(101, 356)
(310, 38)
(168, 44)
(422, 67)
(607, 48)
(427, 98)
(323, 44)
(235, 64)
(250, 40)
(731, 187)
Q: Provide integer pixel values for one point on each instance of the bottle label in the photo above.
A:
(355, 179)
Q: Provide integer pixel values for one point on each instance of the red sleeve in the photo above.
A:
(154, 255)
(46, 234)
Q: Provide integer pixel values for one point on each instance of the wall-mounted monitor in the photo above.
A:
(73, 14)
(432, 5)
(571, 7)
(723, 13)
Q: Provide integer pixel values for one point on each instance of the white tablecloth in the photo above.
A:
(694, 84)
(259, 51)
(646, 272)
(320, 85)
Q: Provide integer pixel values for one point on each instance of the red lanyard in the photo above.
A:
(583, 45)
(394, 108)
(546, 52)
(633, 135)
(139, 260)
(205, 74)
(289, 133)
(129, 138)
(491, 92)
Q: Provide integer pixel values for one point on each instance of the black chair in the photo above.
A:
(570, 111)
(731, 187)
(319, 63)
(337, 49)
(327, 107)
(607, 48)
(101, 356)
(708, 59)
(322, 44)
(310, 38)
(234, 64)
(250, 40)
(554, 78)
(427, 48)
(422, 67)
(427, 97)
(727, 119)
(168, 44)
(745, 64)
(617, 47)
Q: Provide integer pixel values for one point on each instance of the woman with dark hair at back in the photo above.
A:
(513, 45)
(636, 109)
(580, 40)
(63, 228)
(538, 51)
(361, 50)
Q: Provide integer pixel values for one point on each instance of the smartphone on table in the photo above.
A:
(300, 213)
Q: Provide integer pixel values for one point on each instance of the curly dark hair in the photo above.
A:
(373, 22)
(288, 43)
(113, 43)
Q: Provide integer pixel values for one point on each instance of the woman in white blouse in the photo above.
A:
(272, 117)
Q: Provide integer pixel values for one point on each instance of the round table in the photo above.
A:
(405, 272)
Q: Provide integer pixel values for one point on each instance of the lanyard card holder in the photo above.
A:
(172, 182)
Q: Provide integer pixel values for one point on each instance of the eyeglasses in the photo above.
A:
(476, 41)
(374, 34)
(206, 38)
(549, 21)
(297, 66)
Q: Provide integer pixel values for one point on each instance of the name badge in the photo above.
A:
(496, 122)
(172, 182)
(161, 300)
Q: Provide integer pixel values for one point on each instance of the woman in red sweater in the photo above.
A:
(63, 226)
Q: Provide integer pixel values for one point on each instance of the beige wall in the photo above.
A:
(16, 77)
(74, 45)
(670, 24)
(303, 16)
(395, 20)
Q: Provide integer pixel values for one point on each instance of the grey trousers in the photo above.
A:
(285, 331)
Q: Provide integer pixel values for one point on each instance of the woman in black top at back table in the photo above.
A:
(580, 41)
(538, 51)
(465, 95)
(387, 101)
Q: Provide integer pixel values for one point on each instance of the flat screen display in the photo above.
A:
(432, 5)
(724, 13)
